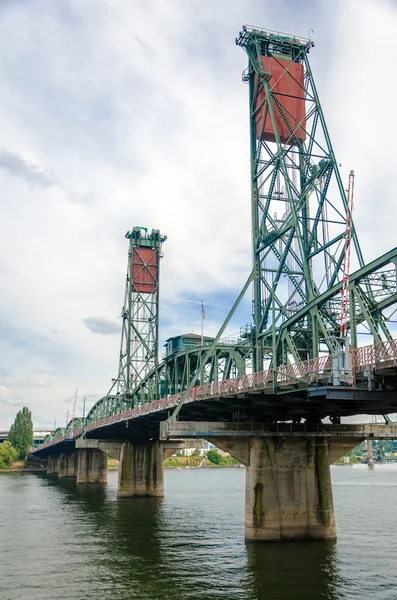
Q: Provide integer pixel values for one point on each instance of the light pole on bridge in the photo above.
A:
(84, 399)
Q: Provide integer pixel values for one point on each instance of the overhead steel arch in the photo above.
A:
(74, 425)
(174, 374)
(111, 404)
(58, 433)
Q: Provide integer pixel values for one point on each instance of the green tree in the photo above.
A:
(21, 432)
(214, 457)
(8, 455)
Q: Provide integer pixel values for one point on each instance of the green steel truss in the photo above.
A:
(299, 207)
(175, 373)
(140, 313)
(75, 425)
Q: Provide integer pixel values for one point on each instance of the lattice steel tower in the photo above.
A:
(140, 314)
(298, 203)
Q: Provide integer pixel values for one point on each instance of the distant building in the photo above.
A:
(203, 449)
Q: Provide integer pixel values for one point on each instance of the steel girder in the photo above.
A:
(368, 314)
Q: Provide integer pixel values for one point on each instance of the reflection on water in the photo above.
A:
(305, 571)
(80, 542)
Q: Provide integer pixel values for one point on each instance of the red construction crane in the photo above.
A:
(345, 308)
(74, 407)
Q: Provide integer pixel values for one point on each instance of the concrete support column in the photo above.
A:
(52, 465)
(92, 466)
(141, 470)
(63, 461)
(370, 453)
(288, 492)
(68, 465)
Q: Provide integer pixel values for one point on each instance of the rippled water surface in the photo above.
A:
(58, 540)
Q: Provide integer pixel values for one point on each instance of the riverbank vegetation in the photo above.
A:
(382, 451)
(14, 452)
(21, 433)
(8, 455)
(113, 464)
(352, 459)
(212, 459)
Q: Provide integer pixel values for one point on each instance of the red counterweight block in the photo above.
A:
(287, 84)
(144, 270)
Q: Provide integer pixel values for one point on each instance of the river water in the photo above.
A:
(58, 540)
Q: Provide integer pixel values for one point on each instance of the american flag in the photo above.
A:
(202, 310)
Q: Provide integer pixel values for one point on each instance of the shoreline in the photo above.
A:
(43, 470)
(241, 466)
(206, 467)
(24, 470)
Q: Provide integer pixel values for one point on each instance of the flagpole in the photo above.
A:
(202, 323)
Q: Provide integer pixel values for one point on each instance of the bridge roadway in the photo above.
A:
(288, 483)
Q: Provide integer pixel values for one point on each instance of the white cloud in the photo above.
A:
(358, 100)
(115, 114)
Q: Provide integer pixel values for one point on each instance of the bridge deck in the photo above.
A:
(303, 388)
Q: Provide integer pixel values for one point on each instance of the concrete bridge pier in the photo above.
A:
(68, 465)
(92, 466)
(53, 464)
(288, 486)
(141, 469)
(370, 454)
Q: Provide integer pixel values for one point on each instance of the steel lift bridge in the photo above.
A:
(305, 356)
(301, 234)
(320, 344)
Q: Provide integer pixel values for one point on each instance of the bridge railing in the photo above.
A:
(311, 370)
(374, 356)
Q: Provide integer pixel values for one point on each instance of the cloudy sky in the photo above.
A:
(116, 113)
